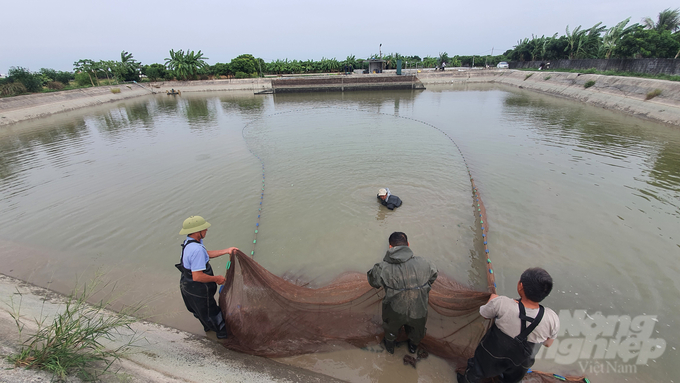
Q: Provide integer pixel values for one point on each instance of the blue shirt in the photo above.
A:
(195, 256)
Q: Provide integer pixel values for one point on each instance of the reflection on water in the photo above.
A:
(197, 111)
(617, 142)
(592, 196)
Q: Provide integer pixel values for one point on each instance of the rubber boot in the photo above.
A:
(412, 348)
(389, 345)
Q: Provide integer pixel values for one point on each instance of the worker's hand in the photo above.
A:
(220, 280)
(232, 250)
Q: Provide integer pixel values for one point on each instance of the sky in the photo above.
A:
(38, 34)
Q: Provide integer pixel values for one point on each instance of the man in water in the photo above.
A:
(387, 199)
(197, 283)
(509, 347)
(407, 281)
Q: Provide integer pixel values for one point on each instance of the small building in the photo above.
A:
(376, 66)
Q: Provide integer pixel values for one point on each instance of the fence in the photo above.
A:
(647, 66)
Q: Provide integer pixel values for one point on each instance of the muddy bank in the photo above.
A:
(622, 94)
(163, 354)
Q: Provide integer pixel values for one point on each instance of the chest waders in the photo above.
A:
(499, 354)
(199, 297)
(393, 321)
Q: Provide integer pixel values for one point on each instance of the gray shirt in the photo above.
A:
(506, 312)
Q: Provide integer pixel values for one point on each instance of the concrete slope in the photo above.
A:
(622, 94)
(163, 354)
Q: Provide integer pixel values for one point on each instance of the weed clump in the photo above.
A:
(588, 84)
(55, 85)
(12, 89)
(72, 343)
(653, 94)
(115, 90)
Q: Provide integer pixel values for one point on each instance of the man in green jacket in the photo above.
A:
(407, 281)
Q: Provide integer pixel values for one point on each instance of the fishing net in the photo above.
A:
(272, 317)
(269, 316)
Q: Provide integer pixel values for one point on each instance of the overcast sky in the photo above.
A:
(53, 34)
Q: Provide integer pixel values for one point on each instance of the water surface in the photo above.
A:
(592, 196)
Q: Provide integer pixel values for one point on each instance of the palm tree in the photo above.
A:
(614, 34)
(185, 65)
(669, 20)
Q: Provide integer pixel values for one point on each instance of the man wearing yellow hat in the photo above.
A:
(197, 283)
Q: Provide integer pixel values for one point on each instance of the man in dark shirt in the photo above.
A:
(387, 199)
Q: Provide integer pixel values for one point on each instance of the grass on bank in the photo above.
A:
(611, 73)
(71, 344)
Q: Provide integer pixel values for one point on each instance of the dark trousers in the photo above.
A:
(393, 321)
(199, 298)
(498, 355)
(484, 365)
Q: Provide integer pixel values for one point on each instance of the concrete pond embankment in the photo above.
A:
(622, 94)
(628, 95)
(160, 353)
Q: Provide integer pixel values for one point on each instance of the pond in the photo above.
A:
(591, 196)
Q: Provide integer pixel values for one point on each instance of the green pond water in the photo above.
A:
(591, 196)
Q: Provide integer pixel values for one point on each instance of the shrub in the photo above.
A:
(12, 89)
(115, 90)
(64, 77)
(82, 79)
(242, 75)
(527, 76)
(653, 94)
(547, 78)
(32, 81)
(588, 84)
(154, 71)
(55, 85)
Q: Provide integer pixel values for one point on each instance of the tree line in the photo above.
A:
(658, 38)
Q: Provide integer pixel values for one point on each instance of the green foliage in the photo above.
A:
(154, 72)
(72, 343)
(588, 84)
(245, 63)
(88, 67)
(32, 81)
(185, 66)
(128, 68)
(53, 75)
(547, 78)
(651, 40)
(12, 89)
(668, 20)
(653, 94)
(647, 43)
(115, 90)
(82, 79)
(242, 75)
(222, 69)
(527, 76)
(430, 62)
